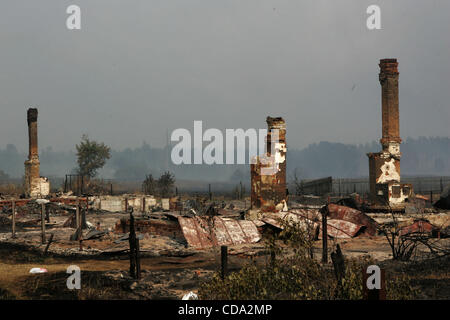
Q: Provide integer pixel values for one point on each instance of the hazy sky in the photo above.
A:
(138, 68)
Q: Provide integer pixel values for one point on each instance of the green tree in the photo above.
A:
(149, 185)
(165, 184)
(91, 156)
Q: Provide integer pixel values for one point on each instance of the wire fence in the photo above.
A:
(421, 185)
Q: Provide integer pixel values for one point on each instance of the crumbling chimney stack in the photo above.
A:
(388, 77)
(384, 166)
(35, 185)
(268, 172)
(32, 116)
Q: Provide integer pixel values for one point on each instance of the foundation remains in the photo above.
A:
(35, 185)
(268, 171)
(384, 166)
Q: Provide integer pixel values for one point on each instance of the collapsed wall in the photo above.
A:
(35, 185)
(268, 171)
(384, 166)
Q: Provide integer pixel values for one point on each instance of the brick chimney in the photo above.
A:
(389, 105)
(35, 185)
(32, 115)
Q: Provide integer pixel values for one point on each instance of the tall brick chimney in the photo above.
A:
(32, 115)
(35, 186)
(389, 104)
(384, 166)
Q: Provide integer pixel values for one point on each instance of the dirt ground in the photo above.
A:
(170, 268)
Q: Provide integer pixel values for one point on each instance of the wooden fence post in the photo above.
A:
(224, 261)
(43, 223)
(135, 268)
(138, 260)
(324, 236)
(77, 217)
(48, 244)
(13, 218)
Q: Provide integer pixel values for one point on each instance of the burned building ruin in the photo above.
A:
(35, 185)
(268, 171)
(384, 166)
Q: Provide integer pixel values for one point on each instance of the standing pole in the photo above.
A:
(224, 261)
(43, 223)
(324, 237)
(209, 192)
(240, 195)
(13, 218)
(143, 205)
(77, 216)
(339, 185)
(138, 260)
(48, 243)
(132, 242)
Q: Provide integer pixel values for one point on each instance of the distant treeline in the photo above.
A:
(421, 156)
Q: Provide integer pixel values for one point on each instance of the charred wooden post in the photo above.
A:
(241, 192)
(43, 223)
(126, 204)
(324, 236)
(224, 261)
(143, 205)
(209, 192)
(338, 264)
(83, 223)
(77, 218)
(13, 218)
(47, 214)
(138, 260)
(48, 244)
(132, 242)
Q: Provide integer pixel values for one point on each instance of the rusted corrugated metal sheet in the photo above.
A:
(206, 232)
(419, 226)
(302, 217)
(354, 216)
(341, 229)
